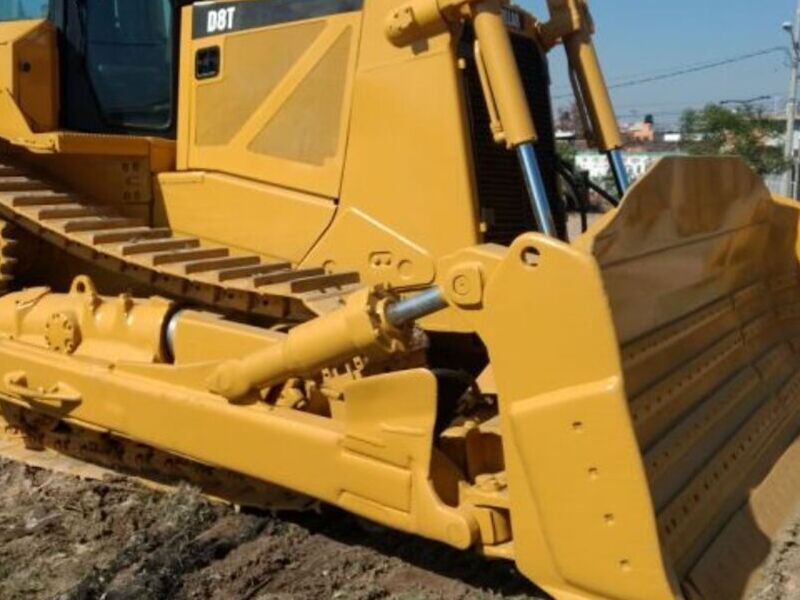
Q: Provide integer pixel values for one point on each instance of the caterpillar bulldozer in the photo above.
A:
(302, 251)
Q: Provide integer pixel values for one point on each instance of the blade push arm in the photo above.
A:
(571, 23)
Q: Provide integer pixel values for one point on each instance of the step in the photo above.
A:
(286, 276)
(69, 211)
(9, 243)
(132, 234)
(159, 245)
(7, 268)
(320, 282)
(99, 224)
(183, 256)
(25, 199)
(21, 184)
(9, 171)
(243, 272)
(215, 264)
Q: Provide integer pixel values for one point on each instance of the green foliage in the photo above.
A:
(609, 184)
(718, 131)
(567, 152)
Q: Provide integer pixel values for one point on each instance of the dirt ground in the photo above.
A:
(780, 577)
(64, 538)
(69, 539)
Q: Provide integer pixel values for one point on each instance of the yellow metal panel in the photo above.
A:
(700, 268)
(378, 253)
(377, 51)
(310, 43)
(37, 80)
(122, 179)
(685, 201)
(13, 124)
(241, 213)
(567, 433)
(226, 102)
(408, 175)
(299, 450)
(10, 33)
(28, 73)
(385, 484)
(408, 164)
(307, 127)
(599, 495)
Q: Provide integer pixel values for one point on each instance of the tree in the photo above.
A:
(718, 131)
(567, 152)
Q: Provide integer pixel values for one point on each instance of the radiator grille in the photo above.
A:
(503, 199)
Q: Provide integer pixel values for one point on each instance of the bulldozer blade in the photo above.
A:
(649, 426)
(700, 269)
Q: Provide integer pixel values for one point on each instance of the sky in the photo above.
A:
(639, 38)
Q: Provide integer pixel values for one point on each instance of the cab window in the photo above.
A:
(18, 10)
(129, 61)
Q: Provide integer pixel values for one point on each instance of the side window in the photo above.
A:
(129, 62)
(18, 10)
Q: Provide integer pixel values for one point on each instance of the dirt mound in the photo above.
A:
(69, 539)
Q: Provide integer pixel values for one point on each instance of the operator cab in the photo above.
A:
(117, 62)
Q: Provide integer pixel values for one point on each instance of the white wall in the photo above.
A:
(636, 164)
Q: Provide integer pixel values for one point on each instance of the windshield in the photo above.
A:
(17, 10)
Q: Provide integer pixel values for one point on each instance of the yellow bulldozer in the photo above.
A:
(303, 251)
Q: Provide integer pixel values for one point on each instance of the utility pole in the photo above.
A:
(791, 177)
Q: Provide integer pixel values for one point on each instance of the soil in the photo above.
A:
(780, 576)
(66, 538)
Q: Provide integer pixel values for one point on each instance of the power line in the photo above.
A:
(697, 69)
(689, 70)
(674, 108)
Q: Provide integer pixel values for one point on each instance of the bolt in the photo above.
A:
(461, 285)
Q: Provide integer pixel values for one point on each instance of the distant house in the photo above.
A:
(644, 132)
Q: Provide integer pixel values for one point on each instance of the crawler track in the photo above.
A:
(180, 266)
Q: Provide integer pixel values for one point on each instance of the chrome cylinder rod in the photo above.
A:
(415, 307)
(169, 332)
(536, 190)
(618, 170)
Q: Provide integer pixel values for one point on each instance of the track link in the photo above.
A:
(8, 258)
(176, 265)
